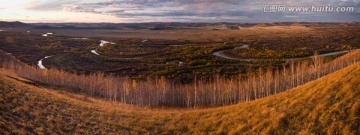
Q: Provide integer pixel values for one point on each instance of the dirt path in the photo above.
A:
(222, 55)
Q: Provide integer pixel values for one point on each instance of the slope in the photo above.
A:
(328, 105)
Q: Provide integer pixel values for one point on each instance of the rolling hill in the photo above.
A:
(13, 24)
(330, 105)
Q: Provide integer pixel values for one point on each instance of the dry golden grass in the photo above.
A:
(328, 105)
(194, 34)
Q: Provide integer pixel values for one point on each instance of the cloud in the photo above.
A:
(49, 5)
(77, 8)
(200, 10)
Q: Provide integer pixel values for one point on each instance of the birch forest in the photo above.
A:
(162, 92)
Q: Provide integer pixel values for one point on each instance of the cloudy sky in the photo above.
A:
(125, 11)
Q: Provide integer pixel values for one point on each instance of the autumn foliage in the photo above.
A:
(160, 91)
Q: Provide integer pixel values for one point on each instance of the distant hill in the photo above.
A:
(13, 24)
(167, 25)
(330, 105)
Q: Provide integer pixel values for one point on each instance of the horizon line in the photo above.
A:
(185, 22)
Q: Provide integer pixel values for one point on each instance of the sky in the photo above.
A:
(135, 11)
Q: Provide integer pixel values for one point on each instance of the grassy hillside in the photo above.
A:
(328, 105)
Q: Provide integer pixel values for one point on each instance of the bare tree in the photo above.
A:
(163, 92)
